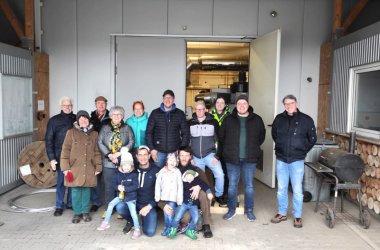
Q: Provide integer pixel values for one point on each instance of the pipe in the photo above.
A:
(351, 146)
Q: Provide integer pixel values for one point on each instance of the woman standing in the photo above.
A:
(138, 122)
(112, 137)
(80, 163)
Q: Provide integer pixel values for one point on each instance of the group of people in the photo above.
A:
(144, 163)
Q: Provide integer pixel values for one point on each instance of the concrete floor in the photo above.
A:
(44, 231)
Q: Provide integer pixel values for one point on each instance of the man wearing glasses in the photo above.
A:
(294, 135)
(55, 135)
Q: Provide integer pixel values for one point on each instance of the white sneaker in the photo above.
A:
(105, 225)
(136, 234)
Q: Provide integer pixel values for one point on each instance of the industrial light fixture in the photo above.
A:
(273, 13)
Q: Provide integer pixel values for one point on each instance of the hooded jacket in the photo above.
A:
(80, 154)
(167, 130)
(130, 183)
(294, 136)
(147, 182)
(138, 125)
(230, 133)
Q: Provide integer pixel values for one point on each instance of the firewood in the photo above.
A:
(359, 148)
(364, 200)
(373, 171)
(370, 203)
(370, 160)
(374, 150)
(376, 207)
(378, 194)
(376, 161)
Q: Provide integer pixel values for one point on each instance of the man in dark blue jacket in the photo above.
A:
(145, 204)
(241, 135)
(294, 135)
(167, 129)
(55, 135)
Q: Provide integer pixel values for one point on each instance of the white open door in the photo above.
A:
(263, 94)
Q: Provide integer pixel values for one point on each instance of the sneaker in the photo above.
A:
(207, 233)
(119, 216)
(173, 232)
(128, 227)
(229, 215)
(222, 202)
(182, 227)
(251, 217)
(58, 212)
(166, 231)
(191, 234)
(104, 214)
(136, 234)
(103, 226)
(278, 218)
(297, 222)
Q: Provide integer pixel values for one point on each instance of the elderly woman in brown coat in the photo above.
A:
(81, 162)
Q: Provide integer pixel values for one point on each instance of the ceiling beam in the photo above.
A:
(354, 14)
(16, 25)
(29, 23)
(338, 6)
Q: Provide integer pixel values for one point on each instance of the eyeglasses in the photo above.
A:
(66, 106)
(199, 109)
(116, 114)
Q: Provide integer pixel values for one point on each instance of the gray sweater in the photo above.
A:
(169, 186)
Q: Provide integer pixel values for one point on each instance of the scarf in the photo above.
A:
(115, 143)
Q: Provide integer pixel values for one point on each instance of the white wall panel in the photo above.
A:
(59, 41)
(146, 68)
(316, 31)
(96, 20)
(233, 18)
(145, 16)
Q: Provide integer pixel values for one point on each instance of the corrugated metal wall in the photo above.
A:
(16, 62)
(365, 51)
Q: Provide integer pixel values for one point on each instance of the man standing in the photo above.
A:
(294, 135)
(99, 116)
(167, 129)
(241, 134)
(55, 135)
(203, 138)
(145, 204)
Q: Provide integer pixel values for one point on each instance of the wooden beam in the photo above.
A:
(338, 6)
(8, 12)
(354, 14)
(29, 22)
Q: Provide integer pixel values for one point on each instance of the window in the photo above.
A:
(364, 101)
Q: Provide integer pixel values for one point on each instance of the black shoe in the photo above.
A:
(58, 212)
(127, 228)
(69, 207)
(222, 202)
(76, 219)
(94, 208)
(86, 217)
(207, 233)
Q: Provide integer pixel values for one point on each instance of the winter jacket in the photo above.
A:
(104, 140)
(98, 123)
(219, 118)
(56, 132)
(138, 125)
(130, 183)
(294, 136)
(80, 154)
(230, 134)
(147, 182)
(169, 186)
(167, 130)
(187, 192)
(203, 136)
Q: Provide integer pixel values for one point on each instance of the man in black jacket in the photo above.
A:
(167, 129)
(98, 117)
(241, 134)
(55, 135)
(294, 135)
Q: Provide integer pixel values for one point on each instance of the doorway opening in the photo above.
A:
(215, 69)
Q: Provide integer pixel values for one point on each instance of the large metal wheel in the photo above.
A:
(330, 218)
(365, 219)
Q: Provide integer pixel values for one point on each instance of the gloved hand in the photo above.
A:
(53, 165)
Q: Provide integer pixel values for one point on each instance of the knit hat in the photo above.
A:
(126, 157)
(168, 92)
(242, 97)
(100, 98)
(82, 113)
(189, 171)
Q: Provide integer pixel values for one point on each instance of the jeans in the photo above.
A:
(96, 191)
(132, 211)
(161, 159)
(169, 218)
(80, 199)
(181, 210)
(216, 170)
(293, 171)
(248, 171)
(149, 222)
(60, 191)
(109, 191)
